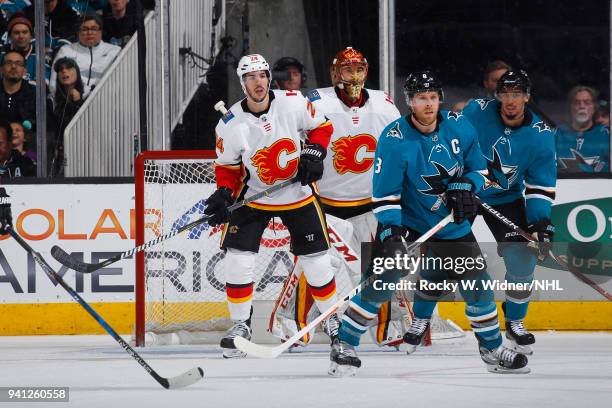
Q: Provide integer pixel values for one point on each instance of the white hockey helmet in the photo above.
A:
(252, 63)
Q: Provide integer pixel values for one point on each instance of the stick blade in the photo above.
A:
(65, 259)
(257, 350)
(186, 379)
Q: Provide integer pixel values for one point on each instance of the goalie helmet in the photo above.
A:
(252, 63)
(347, 57)
(513, 80)
(422, 81)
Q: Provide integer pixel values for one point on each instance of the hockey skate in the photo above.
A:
(344, 360)
(414, 336)
(331, 326)
(504, 360)
(240, 328)
(520, 339)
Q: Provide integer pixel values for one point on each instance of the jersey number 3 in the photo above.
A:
(378, 165)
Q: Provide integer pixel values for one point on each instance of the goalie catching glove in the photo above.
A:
(6, 219)
(544, 232)
(311, 163)
(216, 206)
(461, 200)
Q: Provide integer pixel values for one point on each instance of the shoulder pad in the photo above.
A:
(227, 117)
(395, 132)
(542, 126)
(313, 95)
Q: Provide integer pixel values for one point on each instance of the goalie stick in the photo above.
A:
(183, 380)
(260, 351)
(579, 275)
(65, 259)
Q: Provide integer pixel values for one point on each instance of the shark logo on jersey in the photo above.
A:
(454, 115)
(500, 175)
(395, 132)
(579, 163)
(483, 103)
(446, 168)
(542, 127)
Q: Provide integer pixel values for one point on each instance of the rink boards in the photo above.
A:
(96, 221)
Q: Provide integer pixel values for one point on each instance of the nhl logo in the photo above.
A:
(434, 138)
(507, 131)
(264, 118)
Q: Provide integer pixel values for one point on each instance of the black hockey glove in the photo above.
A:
(311, 163)
(216, 206)
(393, 233)
(544, 232)
(461, 200)
(6, 219)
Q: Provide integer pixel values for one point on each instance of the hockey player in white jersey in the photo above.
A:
(358, 115)
(259, 145)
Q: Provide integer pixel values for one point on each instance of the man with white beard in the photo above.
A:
(584, 145)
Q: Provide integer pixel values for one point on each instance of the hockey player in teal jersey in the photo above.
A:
(583, 146)
(427, 164)
(520, 151)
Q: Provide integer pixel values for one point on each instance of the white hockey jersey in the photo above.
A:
(265, 150)
(347, 178)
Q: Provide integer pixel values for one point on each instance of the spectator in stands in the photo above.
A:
(602, 116)
(583, 145)
(21, 40)
(92, 55)
(12, 163)
(21, 140)
(10, 7)
(492, 73)
(68, 96)
(84, 7)
(61, 19)
(289, 73)
(17, 96)
(120, 22)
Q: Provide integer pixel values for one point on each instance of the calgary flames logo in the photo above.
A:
(354, 154)
(268, 161)
(219, 144)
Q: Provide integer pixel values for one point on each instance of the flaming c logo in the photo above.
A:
(348, 148)
(267, 161)
(219, 144)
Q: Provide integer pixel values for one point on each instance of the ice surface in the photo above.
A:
(568, 370)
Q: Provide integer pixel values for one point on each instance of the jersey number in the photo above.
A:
(378, 165)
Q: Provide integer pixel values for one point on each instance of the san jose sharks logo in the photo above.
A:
(581, 163)
(542, 127)
(483, 103)
(500, 175)
(395, 131)
(446, 167)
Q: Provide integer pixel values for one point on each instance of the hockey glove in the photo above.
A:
(6, 219)
(393, 233)
(460, 199)
(544, 232)
(311, 163)
(216, 206)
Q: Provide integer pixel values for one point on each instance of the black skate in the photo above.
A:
(519, 337)
(240, 328)
(415, 334)
(503, 360)
(331, 326)
(344, 360)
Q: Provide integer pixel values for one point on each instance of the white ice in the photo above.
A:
(568, 370)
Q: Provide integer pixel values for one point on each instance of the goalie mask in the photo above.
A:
(422, 81)
(350, 70)
(252, 63)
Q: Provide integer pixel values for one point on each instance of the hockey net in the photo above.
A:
(180, 283)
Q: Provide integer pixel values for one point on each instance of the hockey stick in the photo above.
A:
(260, 351)
(65, 259)
(183, 380)
(530, 238)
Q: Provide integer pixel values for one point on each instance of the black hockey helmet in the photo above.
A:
(282, 63)
(514, 79)
(422, 81)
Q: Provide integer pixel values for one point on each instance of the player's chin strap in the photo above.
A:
(260, 351)
(507, 222)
